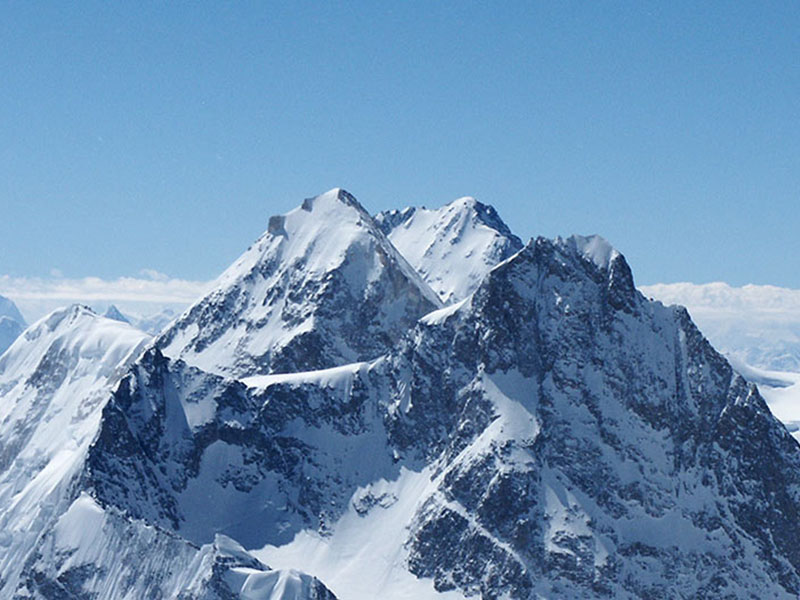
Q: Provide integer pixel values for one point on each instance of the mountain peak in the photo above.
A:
(334, 195)
(323, 286)
(452, 247)
(10, 310)
(12, 324)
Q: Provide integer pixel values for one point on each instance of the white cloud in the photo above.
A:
(154, 275)
(36, 297)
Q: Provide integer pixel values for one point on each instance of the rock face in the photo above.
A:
(593, 444)
(322, 287)
(553, 434)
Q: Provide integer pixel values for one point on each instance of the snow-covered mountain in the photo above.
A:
(322, 287)
(54, 381)
(11, 323)
(553, 434)
(452, 247)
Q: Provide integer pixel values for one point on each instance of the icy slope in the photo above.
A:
(322, 287)
(54, 381)
(452, 247)
(11, 323)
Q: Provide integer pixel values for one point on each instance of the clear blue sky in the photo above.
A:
(163, 135)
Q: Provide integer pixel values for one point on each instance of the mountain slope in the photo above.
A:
(57, 541)
(54, 380)
(322, 287)
(452, 247)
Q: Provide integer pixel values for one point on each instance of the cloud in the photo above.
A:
(751, 301)
(154, 275)
(35, 296)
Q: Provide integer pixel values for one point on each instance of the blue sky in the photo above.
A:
(163, 135)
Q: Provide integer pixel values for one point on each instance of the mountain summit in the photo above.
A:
(452, 247)
(322, 287)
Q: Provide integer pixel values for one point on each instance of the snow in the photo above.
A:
(363, 557)
(439, 316)
(54, 382)
(324, 377)
(287, 285)
(80, 528)
(286, 584)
